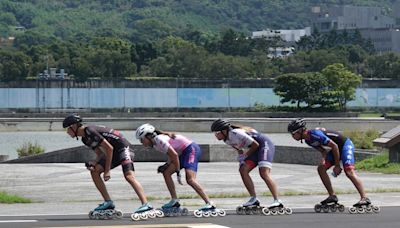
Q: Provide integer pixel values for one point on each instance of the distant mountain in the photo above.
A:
(139, 20)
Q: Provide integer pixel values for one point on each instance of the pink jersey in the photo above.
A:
(179, 143)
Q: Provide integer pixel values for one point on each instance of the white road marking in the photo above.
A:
(16, 221)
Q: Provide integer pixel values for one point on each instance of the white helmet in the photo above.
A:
(143, 130)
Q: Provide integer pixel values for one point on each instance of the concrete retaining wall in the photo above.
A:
(210, 153)
(266, 125)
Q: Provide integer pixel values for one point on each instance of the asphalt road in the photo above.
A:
(301, 218)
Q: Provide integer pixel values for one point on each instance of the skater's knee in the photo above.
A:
(191, 181)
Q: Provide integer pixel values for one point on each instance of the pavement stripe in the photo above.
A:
(16, 221)
(196, 225)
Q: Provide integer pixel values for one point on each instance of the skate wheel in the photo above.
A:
(135, 217)
(333, 208)
(152, 214)
(266, 211)
(369, 210)
(143, 215)
(109, 215)
(214, 214)
(352, 210)
(361, 210)
(101, 216)
(221, 213)
(119, 214)
(281, 211)
(197, 214)
(274, 212)
(206, 214)
(317, 208)
(341, 208)
(185, 211)
(159, 214)
(288, 211)
(239, 210)
(248, 211)
(376, 209)
(325, 209)
(92, 215)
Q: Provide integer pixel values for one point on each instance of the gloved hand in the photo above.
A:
(178, 177)
(162, 168)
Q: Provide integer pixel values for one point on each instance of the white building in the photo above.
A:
(292, 35)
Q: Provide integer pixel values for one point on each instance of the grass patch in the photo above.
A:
(9, 199)
(379, 163)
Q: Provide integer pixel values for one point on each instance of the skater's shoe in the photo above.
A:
(172, 203)
(363, 202)
(253, 201)
(330, 200)
(275, 204)
(105, 205)
(207, 206)
(143, 208)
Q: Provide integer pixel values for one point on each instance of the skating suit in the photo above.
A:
(240, 139)
(122, 152)
(321, 137)
(189, 152)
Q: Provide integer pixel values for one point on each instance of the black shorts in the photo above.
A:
(124, 157)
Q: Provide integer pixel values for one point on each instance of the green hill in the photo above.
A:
(139, 20)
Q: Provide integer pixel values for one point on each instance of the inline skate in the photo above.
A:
(276, 208)
(330, 204)
(146, 211)
(105, 210)
(173, 208)
(253, 207)
(209, 210)
(364, 206)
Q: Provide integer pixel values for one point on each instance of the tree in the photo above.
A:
(342, 83)
(14, 66)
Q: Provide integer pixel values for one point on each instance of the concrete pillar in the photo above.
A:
(394, 153)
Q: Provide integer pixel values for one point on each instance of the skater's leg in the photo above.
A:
(169, 182)
(99, 183)
(247, 181)
(325, 179)
(265, 175)
(351, 174)
(191, 180)
(130, 177)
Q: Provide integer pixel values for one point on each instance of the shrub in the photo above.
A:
(362, 140)
(29, 148)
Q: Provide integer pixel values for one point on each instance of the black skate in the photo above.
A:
(251, 209)
(330, 204)
(105, 210)
(174, 210)
(364, 206)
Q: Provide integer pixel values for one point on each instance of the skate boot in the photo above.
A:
(329, 204)
(209, 210)
(250, 207)
(173, 208)
(364, 206)
(105, 210)
(276, 208)
(146, 211)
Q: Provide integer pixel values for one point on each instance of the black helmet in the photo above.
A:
(71, 119)
(296, 124)
(220, 124)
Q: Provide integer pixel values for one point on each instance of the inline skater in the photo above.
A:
(182, 153)
(254, 149)
(340, 151)
(112, 149)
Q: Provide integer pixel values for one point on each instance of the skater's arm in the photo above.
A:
(253, 147)
(173, 158)
(109, 154)
(336, 156)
